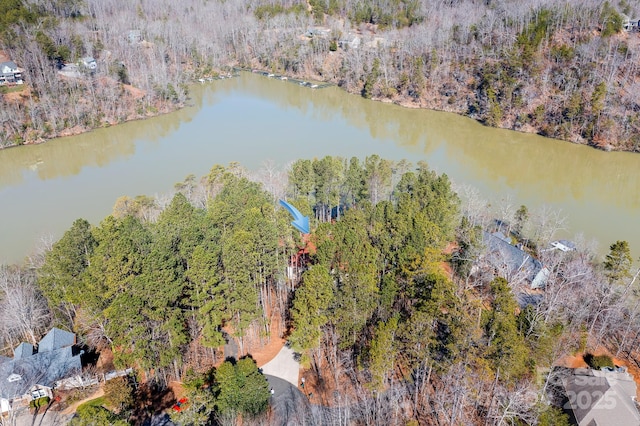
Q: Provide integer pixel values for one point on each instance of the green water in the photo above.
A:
(253, 119)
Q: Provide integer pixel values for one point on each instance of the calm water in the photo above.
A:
(252, 119)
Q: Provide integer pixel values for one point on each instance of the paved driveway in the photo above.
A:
(289, 405)
(285, 366)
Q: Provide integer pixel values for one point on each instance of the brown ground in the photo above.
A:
(134, 91)
(322, 390)
(263, 349)
(18, 96)
(105, 361)
(73, 407)
(266, 353)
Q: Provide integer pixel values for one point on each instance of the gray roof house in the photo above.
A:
(23, 350)
(601, 397)
(513, 263)
(88, 62)
(350, 40)
(320, 32)
(10, 73)
(31, 375)
(56, 339)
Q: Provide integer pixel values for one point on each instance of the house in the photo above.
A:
(513, 263)
(320, 32)
(630, 24)
(70, 70)
(32, 374)
(600, 397)
(350, 40)
(564, 245)
(88, 62)
(10, 73)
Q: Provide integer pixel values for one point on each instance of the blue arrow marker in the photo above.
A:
(301, 223)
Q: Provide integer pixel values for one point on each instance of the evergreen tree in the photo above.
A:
(61, 276)
(617, 264)
(240, 389)
(310, 306)
(506, 347)
(382, 353)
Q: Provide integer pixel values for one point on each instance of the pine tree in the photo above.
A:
(617, 264)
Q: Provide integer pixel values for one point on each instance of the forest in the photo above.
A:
(563, 69)
(392, 301)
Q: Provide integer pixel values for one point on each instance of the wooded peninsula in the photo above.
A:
(566, 70)
(407, 303)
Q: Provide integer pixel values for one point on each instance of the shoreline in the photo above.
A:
(401, 102)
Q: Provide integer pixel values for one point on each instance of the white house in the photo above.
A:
(564, 245)
(10, 73)
(630, 24)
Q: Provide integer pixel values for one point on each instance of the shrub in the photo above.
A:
(598, 361)
(40, 402)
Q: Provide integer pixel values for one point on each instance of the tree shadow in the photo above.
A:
(150, 399)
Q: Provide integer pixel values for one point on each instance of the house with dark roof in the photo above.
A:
(10, 73)
(32, 374)
(600, 397)
(512, 263)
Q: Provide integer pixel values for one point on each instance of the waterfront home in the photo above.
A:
(33, 372)
(600, 397)
(350, 40)
(10, 73)
(88, 62)
(564, 245)
(511, 262)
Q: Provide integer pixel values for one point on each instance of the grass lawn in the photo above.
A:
(98, 402)
(11, 89)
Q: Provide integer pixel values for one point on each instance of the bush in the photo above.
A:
(598, 361)
(118, 394)
(40, 402)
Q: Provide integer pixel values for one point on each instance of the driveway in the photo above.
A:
(50, 418)
(284, 366)
(289, 405)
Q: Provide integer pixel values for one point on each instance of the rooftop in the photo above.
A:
(509, 259)
(601, 397)
(54, 361)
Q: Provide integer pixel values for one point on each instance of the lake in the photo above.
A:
(253, 119)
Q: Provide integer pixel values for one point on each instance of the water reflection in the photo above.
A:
(527, 163)
(70, 155)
